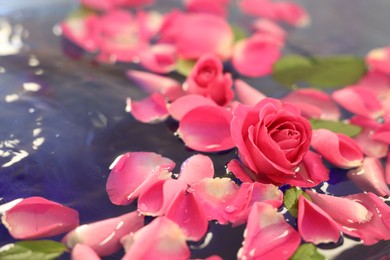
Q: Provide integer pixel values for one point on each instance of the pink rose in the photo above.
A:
(207, 79)
(273, 141)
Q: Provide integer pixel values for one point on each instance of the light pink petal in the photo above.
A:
(150, 110)
(36, 217)
(382, 134)
(184, 104)
(338, 149)
(215, 195)
(268, 27)
(160, 58)
(188, 213)
(217, 7)
(369, 146)
(104, 236)
(370, 177)
(255, 56)
(314, 224)
(156, 200)
(161, 239)
(133, 172)
(313, 103)
(196, 168)
(359, 100)
(81, 252)
(150, 82)
(268, 236)
(247, 94)
(207, 129)
(379, 59)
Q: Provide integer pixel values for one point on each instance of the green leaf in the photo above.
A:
(307, 252)
(319, 72)
(336, 126)
(184, 67)
(238, 33)
(33, 250)
(290, 199)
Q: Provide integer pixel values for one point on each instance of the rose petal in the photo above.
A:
(338, 149)
(268, 236)
(247, 94)
(382, 133)
(133, 172)
(255, 56)
(149, 110)
(196, 168)
(103, 237)
(217, 7)
(379, 59)
(206, 129)
(241, 172)
(313, 103)
(370, 177)
(109, 4)
(81, 252)
(36, 217)
(314, 224)
(160, 58)
(9, 205)
(183, 105)
(268, 27)
(161, 239)
(387, 169)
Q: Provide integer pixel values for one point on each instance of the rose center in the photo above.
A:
(206, 74)
(286, 138)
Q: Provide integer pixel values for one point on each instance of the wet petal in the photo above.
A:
(161, 239)
(150, 82)
(150, 110)
(247, 94)
(184, 104)
(103, 237)
(379, 59)
(338, 149)
(160, 58)
(370, 177)
(196, 168)
(36, 217)
(268, 236)
(81, 252)
(133, 172)
(207, 129)
(314, 224)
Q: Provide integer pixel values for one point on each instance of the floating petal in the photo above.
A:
(247, 94)
(81, 252)
(150, 110)
(160, 58)
(184, 104)
(196, 168)
(217, 7)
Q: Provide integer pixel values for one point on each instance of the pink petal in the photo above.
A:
(313, 103)
(183, 105)
(133, 172)
(217, 7)
(187, 212)
(36, 217)
(370, 177)
(247, 94)
(241, 172)
(359, 100)
(382, 133)
(161, 239)
(103, 237)
(160, 58)
(268, 27)
(149, 110)
(109, 4)
(9, 205)
(196, 168)
(81, 252)
(149, 82)
(255, 56)
(379, 59)
(206, 129)
(387, 169)
(338, 149)
(268, 236)
(314, 224)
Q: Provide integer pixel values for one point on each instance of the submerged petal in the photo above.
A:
(152, 109)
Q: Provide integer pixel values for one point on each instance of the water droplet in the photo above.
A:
(230, 209)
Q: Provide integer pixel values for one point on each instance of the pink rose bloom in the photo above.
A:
(272, 140)
(207, 79)
(111, 4)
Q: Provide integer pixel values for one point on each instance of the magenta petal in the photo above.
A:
(313, 103)
(268, 236)
(82, 252)
(150, 82)
(370, 177)
(187, 212)
(149, 110)
(247, 94)
(315, 225)
(338, 149)
(133, 172)
(160, 58)
(196, 168)
(207, 129)
(183, 105)
(161, 239)
(255, 56)
(104, 236)
(36, 217)
(379, 59)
